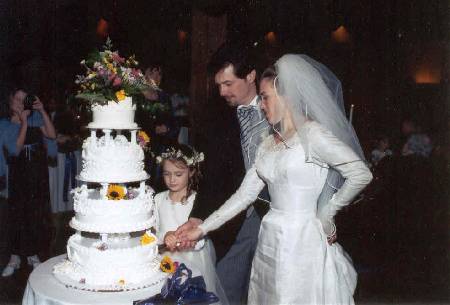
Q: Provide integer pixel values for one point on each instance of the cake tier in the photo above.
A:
(114, 115)
(114, 160)
(95, 213)
(118, 264)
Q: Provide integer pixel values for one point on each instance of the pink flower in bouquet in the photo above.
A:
(136, 72)
(117, 81)
(117, 58)
(102, 72)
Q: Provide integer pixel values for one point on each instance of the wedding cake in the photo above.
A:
(114, 115)
(113, 248)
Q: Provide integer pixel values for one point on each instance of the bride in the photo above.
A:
(313, 166)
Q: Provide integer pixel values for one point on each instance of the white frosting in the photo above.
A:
(114, 115)
(122, 262)
(95, 213)
(112, 262)
(111, 160)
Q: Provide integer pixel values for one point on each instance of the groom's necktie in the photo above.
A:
(245, 116)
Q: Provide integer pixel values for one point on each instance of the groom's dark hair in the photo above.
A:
(242, 57)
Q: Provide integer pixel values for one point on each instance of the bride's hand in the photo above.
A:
(193, 234)
(332, 239)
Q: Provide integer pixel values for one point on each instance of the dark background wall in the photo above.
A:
(389, 43)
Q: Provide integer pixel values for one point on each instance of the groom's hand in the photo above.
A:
(192, 235)
(188, 225)
(184, 244)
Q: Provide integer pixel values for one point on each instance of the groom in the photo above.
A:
(235, 75)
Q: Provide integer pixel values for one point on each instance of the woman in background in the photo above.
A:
(23, 140)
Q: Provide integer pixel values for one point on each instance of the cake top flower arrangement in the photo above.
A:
(110, 77)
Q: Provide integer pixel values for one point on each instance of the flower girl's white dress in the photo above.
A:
(202, 258)
(293, 263)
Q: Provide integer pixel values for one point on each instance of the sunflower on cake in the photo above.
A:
(113, 248)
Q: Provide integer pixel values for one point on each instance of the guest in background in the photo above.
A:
(157, 120)
(180, 111)
(161, 110)
(381, 150)
(418, 144)
(69, 143)
(415, 140)
(23, 138)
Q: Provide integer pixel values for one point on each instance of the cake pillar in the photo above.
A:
(142, 188)
(107, 135)
(93, 135)
(104, 190)
(104, 237)
(133, 136)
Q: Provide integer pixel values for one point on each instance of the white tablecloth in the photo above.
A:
(44, 289)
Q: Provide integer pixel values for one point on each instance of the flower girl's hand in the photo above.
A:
(171, 240)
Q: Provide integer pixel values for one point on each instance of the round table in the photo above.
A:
(44, 289)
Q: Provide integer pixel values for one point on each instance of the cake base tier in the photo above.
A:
(156, 281)
(115, 264)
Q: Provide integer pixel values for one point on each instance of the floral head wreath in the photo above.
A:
(172, 153)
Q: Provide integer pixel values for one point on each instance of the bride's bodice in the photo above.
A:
(294, 185)
(295, 174)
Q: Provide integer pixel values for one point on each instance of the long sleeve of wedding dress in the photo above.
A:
(325, 147)
(247, 193)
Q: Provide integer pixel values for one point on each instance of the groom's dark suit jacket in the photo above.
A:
(223, 169)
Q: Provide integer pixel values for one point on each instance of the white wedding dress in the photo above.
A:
(293, 263)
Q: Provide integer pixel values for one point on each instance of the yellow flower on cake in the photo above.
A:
(121, 282)
(167, 265)
(143, 135)
(120, 95)
(147, 239)
(115, 192)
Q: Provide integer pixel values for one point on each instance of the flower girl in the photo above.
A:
(181, 174)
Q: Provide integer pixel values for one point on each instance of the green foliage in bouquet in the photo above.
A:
(151, 107)
(110, 77)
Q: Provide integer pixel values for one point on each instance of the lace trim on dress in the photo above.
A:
(270, 144)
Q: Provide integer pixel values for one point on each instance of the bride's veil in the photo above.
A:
(313, 92)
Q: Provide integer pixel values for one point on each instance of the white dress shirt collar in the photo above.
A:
(253, 103)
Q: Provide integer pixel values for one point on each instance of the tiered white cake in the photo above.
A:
(118, 252)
